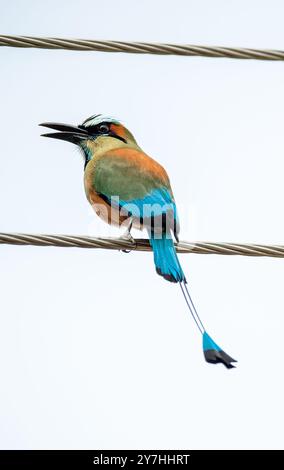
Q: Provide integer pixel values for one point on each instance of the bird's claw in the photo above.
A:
(128, 238)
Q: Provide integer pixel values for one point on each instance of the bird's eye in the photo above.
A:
(104, 128)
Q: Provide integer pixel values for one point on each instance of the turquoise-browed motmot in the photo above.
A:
(124, 185)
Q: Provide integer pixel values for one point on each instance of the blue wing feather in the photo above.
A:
(157, 203)
(151, 210)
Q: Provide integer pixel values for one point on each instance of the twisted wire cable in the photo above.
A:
(140, 47)
(140, 244)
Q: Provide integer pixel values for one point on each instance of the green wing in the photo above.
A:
(140, 183)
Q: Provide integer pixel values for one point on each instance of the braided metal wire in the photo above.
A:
(140, 47)
(140, 244)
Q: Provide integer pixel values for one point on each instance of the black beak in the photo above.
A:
(71, 134)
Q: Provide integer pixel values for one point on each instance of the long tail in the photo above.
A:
(165, 258)
(168, 265)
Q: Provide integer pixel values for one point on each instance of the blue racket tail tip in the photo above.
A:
(214, 354)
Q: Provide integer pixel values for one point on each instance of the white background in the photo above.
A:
(96, 350)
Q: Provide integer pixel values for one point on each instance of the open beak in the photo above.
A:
(71, 134)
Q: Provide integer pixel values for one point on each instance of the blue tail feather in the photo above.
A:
(168, 265)
(214, 354)
(165, 258)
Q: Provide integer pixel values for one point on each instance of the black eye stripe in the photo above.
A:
(102, 129)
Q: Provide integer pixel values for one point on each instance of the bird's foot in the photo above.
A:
(126, 236)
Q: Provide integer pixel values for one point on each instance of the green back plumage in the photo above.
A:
(129, 174)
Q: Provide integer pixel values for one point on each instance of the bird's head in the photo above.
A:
(97, 129)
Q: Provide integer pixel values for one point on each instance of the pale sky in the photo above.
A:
(97, 351)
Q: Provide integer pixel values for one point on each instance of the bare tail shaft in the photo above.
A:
(212, 352)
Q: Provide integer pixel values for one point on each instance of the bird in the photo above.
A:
(126, 187)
